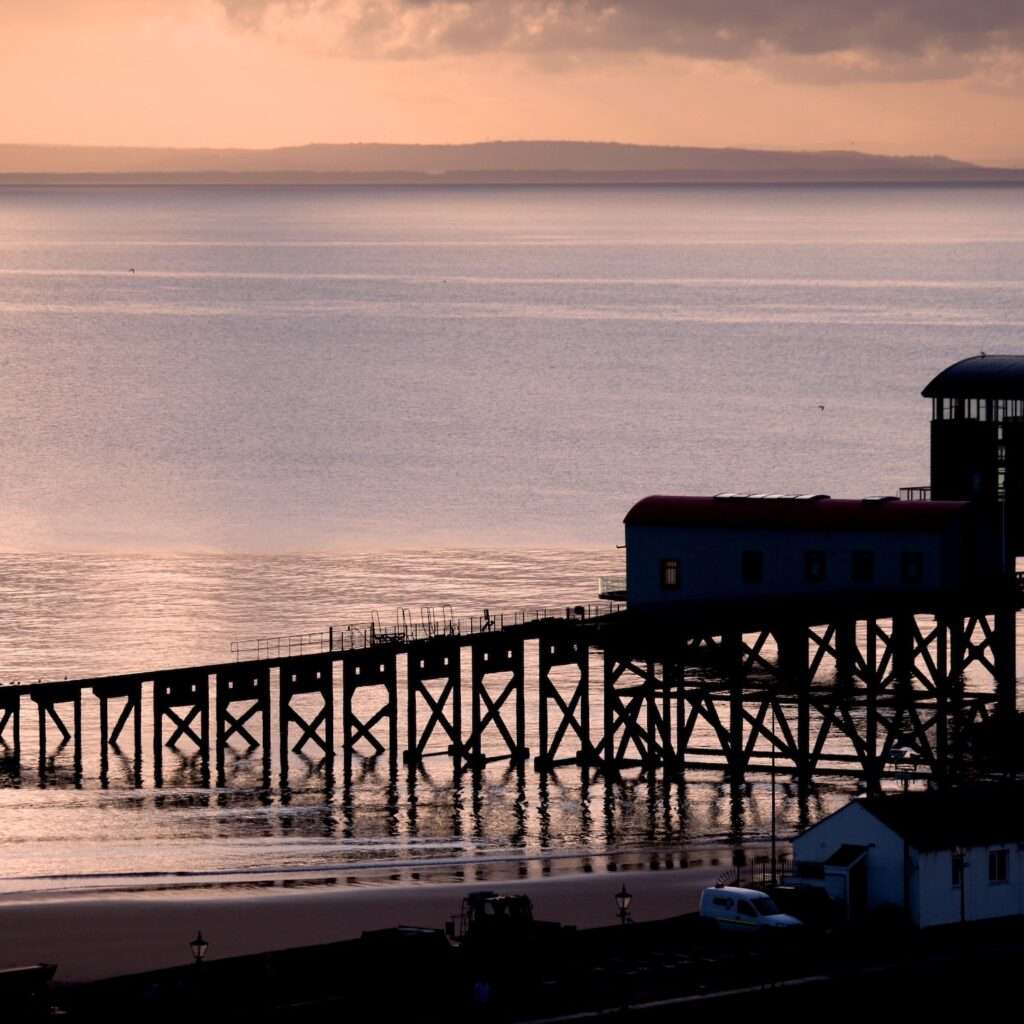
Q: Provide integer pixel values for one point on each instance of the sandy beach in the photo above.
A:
(95, 937)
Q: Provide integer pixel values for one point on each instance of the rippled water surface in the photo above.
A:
(229, 413)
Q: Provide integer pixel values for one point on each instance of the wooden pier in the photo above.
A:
(830, 689)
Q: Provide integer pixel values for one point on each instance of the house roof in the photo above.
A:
(983, 815)
(980, 377)
(846, 856)
(791, 512)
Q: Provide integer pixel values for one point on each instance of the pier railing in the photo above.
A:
(431, 624)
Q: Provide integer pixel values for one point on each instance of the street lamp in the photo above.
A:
(199, 946)
(775, 877)
(622, 901)
(960, 862)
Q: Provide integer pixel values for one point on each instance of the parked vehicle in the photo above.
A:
(732, 908)
(809, 904)
(489, 921)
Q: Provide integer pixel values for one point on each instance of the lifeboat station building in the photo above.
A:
(760, 547)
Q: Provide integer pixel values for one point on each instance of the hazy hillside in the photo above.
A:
(540, 160)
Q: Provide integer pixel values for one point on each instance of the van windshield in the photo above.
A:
(764, 905)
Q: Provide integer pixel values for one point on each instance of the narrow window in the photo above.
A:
(752, 566)
(814, 567)
(997, 865)
(863, 569)
(912, 567)
(669, 574)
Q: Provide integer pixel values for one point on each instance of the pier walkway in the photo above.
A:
(878, 691)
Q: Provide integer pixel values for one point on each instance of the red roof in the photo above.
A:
(791, 513)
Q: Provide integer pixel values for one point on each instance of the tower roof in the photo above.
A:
(980, 377)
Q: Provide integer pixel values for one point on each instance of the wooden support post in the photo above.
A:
(732, 647)
(312, 674)
(795, 680)
(104, 733)
(42, 735)
(606, 748)
(654, 747)
(10, 714)
(1004, 643)
(941, 681)
(242, 685)
(497, 654)
(131, 691)
(557, 649)
(48, 697)
(872, 682)
(439, 662)
(846, 652)
(376, 670)
(902, 647)
(678, 679)
(183, 698)
(955, 686)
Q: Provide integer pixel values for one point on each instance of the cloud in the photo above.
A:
(878, 39)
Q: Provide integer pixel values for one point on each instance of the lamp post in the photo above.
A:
(960, 860)
(774, 875)
(622, 901)
(199, 946)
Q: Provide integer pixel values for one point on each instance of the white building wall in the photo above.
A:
(855, 826)
(709, 561)
(940, 901)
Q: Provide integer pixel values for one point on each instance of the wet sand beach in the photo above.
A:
(90, 937)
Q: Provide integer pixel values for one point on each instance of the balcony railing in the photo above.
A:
(611, 588)
(915, 494)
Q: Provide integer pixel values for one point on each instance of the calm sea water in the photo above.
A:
(237, 412)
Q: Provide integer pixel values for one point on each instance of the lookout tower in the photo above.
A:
(978, 437)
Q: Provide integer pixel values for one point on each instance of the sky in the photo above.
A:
(884, 76)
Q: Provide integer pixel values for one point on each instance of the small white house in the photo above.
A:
(905, 850)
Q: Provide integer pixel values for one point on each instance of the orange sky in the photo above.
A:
(892, 76)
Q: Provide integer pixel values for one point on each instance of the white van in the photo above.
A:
(730, 907)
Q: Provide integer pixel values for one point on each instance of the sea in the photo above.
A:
(240, 412)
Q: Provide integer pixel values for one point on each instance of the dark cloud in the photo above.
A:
(726, 30)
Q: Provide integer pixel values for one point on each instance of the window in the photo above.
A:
(912, 567)
(669, 574)
(746, 909)
(814, 567)
(863, 567)
(752, 566)
(998, 862)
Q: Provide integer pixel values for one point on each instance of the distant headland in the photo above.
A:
(516, 162)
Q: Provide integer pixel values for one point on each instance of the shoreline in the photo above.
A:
(91, 937)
